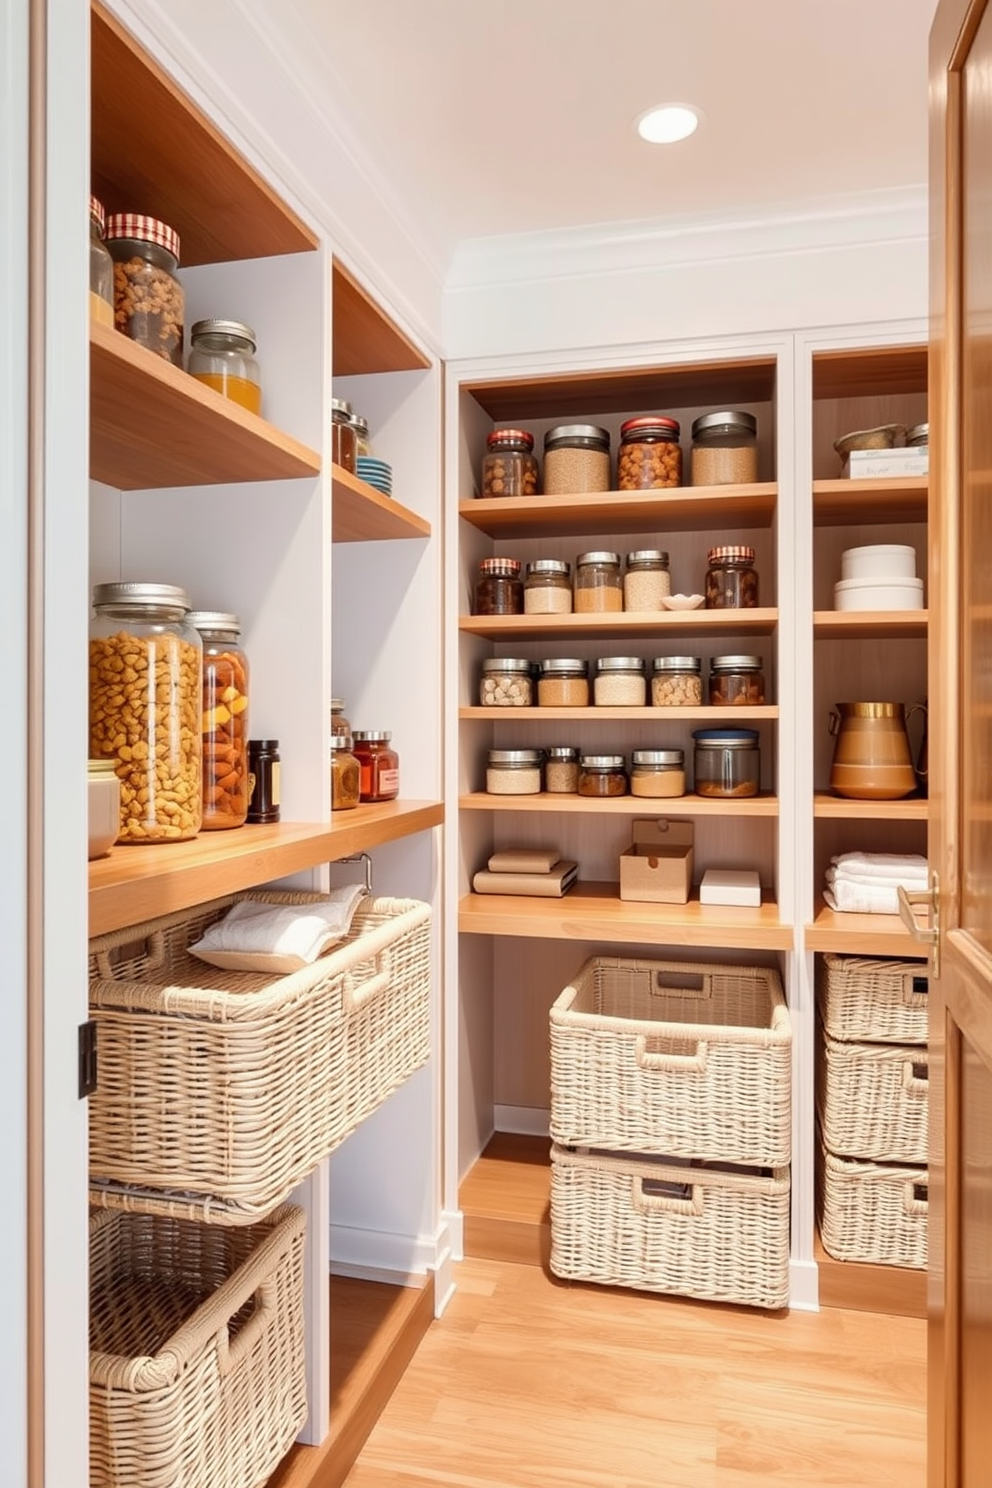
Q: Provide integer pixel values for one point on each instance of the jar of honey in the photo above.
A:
(379, 765)
(346, 775)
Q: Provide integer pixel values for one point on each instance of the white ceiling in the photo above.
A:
(483, 117)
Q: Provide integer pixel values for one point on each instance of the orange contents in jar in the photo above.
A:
(238, 389)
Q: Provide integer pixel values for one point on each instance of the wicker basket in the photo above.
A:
(220, 1090)
(873, 1213)
(872, 1100)
(197, 1362)
(667, 1057)
(864, 999)
(689, 1229)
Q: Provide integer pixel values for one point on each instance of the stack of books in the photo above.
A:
(537, 871)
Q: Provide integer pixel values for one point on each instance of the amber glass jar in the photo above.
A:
(598, 583)
(380, 765)
(548, 587)
(226, 788)
(222, 355)
(602, 775)
(650, 456)
(148, 297)
(509, 466)
(344, 443)
(498, 589)
(576, 460)
(731, 579)
(346, 776)
(736, 681)
(101, 268)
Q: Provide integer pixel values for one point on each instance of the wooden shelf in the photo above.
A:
(763, 805)
(912, 809)
(137, 883)
(364, 338)
(860, 934)
(695, 508)
(897, 1290)
(154, 151)
(360, 513)
(842, 503)
(711, 717)
(152, 425)
(870, 371)
(630, 625)
(869, 625)
(595, 912)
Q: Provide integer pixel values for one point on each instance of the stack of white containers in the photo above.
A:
(880, 576)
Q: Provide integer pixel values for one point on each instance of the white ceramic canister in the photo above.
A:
(879, 561)
(878, 594)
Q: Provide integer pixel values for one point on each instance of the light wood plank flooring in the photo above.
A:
(528, 1382)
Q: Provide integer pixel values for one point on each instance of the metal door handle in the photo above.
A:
(929, 932)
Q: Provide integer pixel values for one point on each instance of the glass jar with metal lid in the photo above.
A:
(378, 763)
(918, 436)
(509, 466)
(344, 445)
(650, 456)
(657, 772)
(222, 355)
(676, 682)
(145, 707)
(602, 775)
(731, 578)
(506, 683)
(724, 449)
(619, 682)
(363, 445)
(226, 786)
(514, 772)
(340, 726)
(548, 587)
(727, 762)
(498, 590)
(736, 681)
(576, 460)
(598, 583)
(561, 770)
(346, 775)
(149, 306)
(101, 268)
(563, 682)
(647, 580)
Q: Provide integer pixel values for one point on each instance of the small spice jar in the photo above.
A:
(226, 786)
(561, 770)
(506, 683)
(676, 682)
(379, 765)
(344, 445)
(101, 268)
(222, 355)
(340, 726)
(736, 681)
(563, 682)
(148, 297)
(647, 580)
(363, 445)
(650, 456)
(602, 775)
(724, 449)
(514, 772)
(346, 775)
(731, 580)
(548, 587)
(918, 437)
(598, 583)
(619, 682)
(265, 777)
(509, 466)
(498, 590)
(727, 762)
(576, 460)
(657, 772)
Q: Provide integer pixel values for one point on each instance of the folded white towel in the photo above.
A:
(903, 867)
(279, 938)
(871, 881)
(853, 898)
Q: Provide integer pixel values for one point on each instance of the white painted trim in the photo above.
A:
(804, 1286)
(523, 1121)
(454, 1221)
(378, 1254)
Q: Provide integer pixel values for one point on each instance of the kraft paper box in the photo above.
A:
(657, 867)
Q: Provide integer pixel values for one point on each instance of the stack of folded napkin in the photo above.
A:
(539, 871)
(867, 883)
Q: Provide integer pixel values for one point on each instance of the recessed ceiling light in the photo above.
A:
(669, 123)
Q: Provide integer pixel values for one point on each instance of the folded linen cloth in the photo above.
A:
(853, 898)
(835, 876)
(279, 938)
(908, 869)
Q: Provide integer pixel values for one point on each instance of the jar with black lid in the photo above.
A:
(548, 587)
(676, 682)
(344, 445)
(731, 578)
(598, 583)
(149, 305)
(736, 681)
(509, 466)
(602, 775)
(650, 456)
(576, 460)
(226, 787)
(561, 770)
(101, 268)
(727, 762)
(498, 590)
(222, 355)
(378, 763)
(265, 774)
(724, 449)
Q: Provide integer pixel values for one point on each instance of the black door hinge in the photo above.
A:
(87, 1059)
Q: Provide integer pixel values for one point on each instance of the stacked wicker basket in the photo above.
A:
(671, 1126)
(872, 1106)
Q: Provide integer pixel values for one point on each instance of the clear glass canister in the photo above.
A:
(509, 466)
(724, 449)
(378, 763)
(101, 268)
(650, 456)
(731, 579)
(548, 587)
(647, 580)
(340, 725)
(602, 775)
(563, 682)
(506, 683)
(727, 762)
(657, 772)
(576, 460)
(363, 445)
(222, 355)
(145, 707)
(514, 772)
(148, 298)
(343, 442)
(224, 723)
(620, 682)
(736, 681)
(598, 583)
(561, 770)
(676, 682)
(498, 589)
(346, 775)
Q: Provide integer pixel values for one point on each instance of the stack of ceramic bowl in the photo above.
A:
(378, 473)
(881, 576)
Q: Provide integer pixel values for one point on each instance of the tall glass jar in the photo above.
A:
(561, 770)
(343, 442)
(101, 268)
(576, 460)
(509, 466)
(650, 456)
(498, 590)
(222, 355)
(731, 579)
(724, 449)
(224, 724)
(145, 707)
(727, 762)
(380, 765)
(598, 583)
(340, 726)
(148, 298)
(676, 682)
(548, 587)
(647, 580)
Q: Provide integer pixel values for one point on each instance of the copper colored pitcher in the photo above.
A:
(872, 758)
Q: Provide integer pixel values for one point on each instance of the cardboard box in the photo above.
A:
(730, 886)
(657, 867)
(886, 464)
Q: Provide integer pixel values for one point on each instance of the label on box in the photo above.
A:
(891, 463)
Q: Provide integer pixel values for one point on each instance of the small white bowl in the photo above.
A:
(879, 561)
(878, 594)
(682, 601)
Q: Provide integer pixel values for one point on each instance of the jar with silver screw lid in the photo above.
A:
(647, 580)
(226, 784)
(598, 583)
(676, 682)
(724, 449)
(736, 681)
(514, 772)
(548, 587)
(563, 683)
(506, 683)
(222, 355)
(561, 770)
(657, 772)
(602, 775)
(576, 460)
(620, 682)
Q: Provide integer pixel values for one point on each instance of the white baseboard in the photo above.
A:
(804, 1286)
(522, 1121)
(454, 1222)
(372, 1255)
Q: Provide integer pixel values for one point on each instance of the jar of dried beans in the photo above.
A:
(731, 579)
(548, 587)
(650, 456)
(647, 580)
(226, 787)
(576, 460)
(736, 681)
(509, 466)
(724, 449)
(563, 682)
(561, 770)
(148, 297)
(619, 682)
(506, 683)
(676, 682)
(598, 583)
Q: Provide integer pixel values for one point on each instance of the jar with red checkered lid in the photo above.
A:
(148, 297)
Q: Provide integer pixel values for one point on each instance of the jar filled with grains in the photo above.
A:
(226, 790)
(561, 770)
(676, 682)
(344, 444)
(346, 776)
(650, 456)
(731, 579)
(619, 682)
(647, 580)
(736, 681)
(576, 460)
(724, 449)
(727, 762)
(514, 772)
(148, 297)
(379, 765)
(101, 268)
(509, 466)
(498, 590)
(602, 775)
(563, 682)
(548, 587)
(657, 772)
(598, 583)
(506, 683)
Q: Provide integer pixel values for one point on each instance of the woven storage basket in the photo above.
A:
(197, 1362)
(677, 1058)
(692, 1230)
(872, 1100)
(220, 1090)
(874, 1213)
(868, 1000)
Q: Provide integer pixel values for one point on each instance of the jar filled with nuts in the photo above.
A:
(101, 268)
(561, 770)
(598, 583)
(148, 297)
(563, 682)
(514, 772)
(506, 683)
(222, 355)
(226, 790)
(657, 772)
(498, 590)
(731, 580)
(724, 449)
(576, 460)
(145, 707)
(736, 681)
(619, 682)
(647, 580)
(676, 682)
(650, 456)
(602, 775)
(509, 466)
(548, 587)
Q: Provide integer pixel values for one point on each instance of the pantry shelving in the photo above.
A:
(912, 809)
(703, 508)
(360, 513)
(868, 625)
(715, 717)
(859, 934)
(709, 623)
(562, 805)
(839, 503)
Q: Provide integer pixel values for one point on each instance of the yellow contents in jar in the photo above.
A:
(101, 310)
(238, 389)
